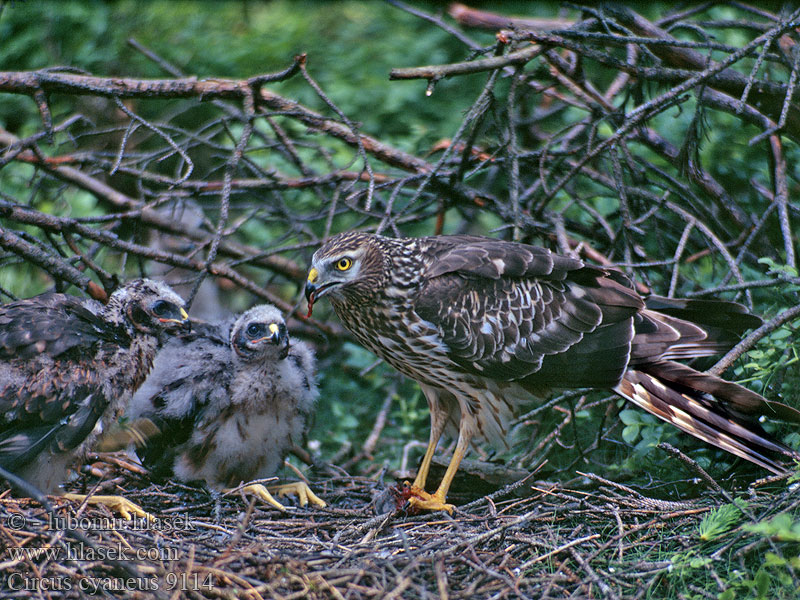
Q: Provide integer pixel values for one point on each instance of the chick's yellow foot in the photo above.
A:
(119, 504)
(302, 491)
(262, 493)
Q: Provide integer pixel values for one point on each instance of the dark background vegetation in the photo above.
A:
(691, 191)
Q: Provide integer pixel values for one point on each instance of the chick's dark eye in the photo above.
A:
(344, 263)
(255, 330)
(161, 308)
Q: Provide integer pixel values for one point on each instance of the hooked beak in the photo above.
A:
(311, 286)
(179, 318)
(311, 289)
(275, 334)
(280, 337)
(314, 291)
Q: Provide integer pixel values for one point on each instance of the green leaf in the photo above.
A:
(781, 527)
(773, 560)
(762, 584)
(630, 433)
(728, 594)
(630, 416)
(780, 334)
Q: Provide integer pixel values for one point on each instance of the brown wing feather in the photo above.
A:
(50, 384)
(675, 328)
(53, 324)
(515, 312)
(56, 407)
(472, 256)
(738, 400)
(720, 315)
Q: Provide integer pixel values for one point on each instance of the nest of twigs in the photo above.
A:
(591, 538)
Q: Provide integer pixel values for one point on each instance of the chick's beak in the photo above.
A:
(280, 337)
(275, 334)
(180, 318)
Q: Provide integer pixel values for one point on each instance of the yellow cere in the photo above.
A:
(184, 315)
(273, 328)
(312, 275)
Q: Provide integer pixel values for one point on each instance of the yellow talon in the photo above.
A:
(299, 489)
(262, 493)
(302, 491)
(418, 492)
(432, 502)
(119, 504)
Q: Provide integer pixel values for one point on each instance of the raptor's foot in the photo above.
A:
(418, 499)
(262, 493)
(432, 503)
(414, 491)
(302, 491)
(119, 504)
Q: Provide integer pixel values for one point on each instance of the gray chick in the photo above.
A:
(228, 401)
(68, 368)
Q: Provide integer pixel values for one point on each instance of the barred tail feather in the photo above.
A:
(696, 412)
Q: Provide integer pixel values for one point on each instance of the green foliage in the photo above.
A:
(776, 269)
(783, 527)
(770, 368)
(352, 388)
(239, 40)
(726, 538)
(642, 425)
(719, 521)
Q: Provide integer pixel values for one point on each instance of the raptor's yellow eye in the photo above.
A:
(344, 263)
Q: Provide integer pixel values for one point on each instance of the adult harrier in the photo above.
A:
(484, 324)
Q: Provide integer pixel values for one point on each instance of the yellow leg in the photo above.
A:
(121, 505)
(302, 491)
(436, 501)
(418, 486)
(438, 421)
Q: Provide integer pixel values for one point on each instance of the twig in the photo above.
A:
(753, 338)
(692, 464)
(437, 72)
